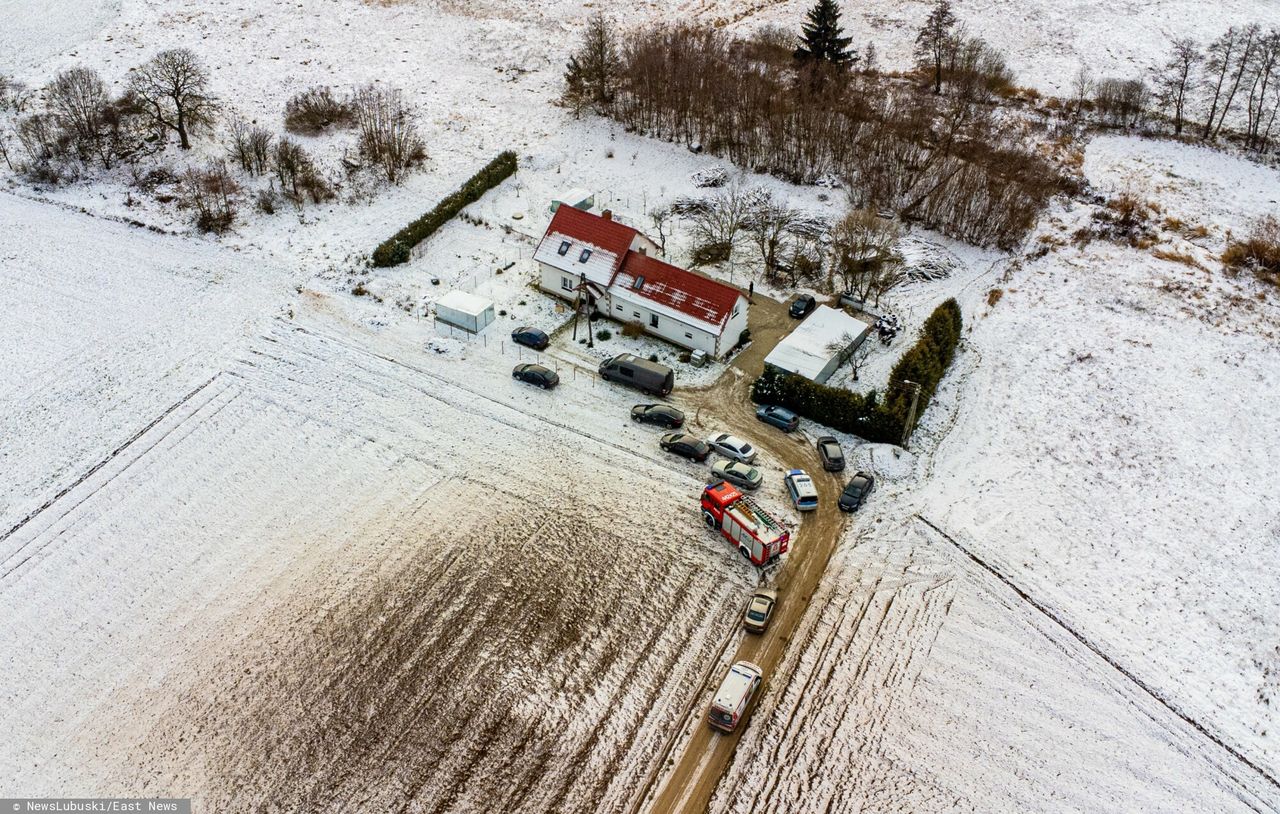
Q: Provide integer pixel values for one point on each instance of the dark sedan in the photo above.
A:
(855, 494)
(531, 338)
(831, 454)
(536, 374)
(802, 306)
(658, 414)
(686, 446)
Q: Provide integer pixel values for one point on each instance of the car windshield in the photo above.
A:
(832, 450)
(745, 448)
(756, 615)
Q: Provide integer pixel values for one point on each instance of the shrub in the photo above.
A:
(994, 295)
(314, 109)
(631, 330)
(604, 334)
(1259, 252)
(924, 364)
(711, 253)
(396, 250)
(653, 357)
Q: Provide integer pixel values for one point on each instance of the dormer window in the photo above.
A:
(586, 255)
(564, 248)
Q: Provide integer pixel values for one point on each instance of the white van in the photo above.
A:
(734, 696)
(800, 488)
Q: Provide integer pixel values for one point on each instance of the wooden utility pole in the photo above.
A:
(911, 414)
(582, 294)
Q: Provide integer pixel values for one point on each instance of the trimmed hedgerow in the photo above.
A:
(397, 249)
(869, 417)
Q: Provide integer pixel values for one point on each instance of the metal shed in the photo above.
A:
(465, 311)
(578, 198)
(819, 345)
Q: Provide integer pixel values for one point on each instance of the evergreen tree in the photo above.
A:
(822, 37)
(934, 40)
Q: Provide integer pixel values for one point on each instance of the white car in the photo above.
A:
(800, 488)
(732, 447)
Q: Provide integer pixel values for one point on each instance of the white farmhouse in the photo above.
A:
(625, 281)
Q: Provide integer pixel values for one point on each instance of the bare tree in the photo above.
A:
(297, 173)
(1081, 90)
(250, 146)
(314, 110)
(1247, 42)
(4, 150)
(717, 225)
(1121, 102)
(661, 220)
(591, 76)
(210, 194)
(856, 354)
(768, 222)
(934, 39)
(1176, 78)
(1262, 87)
(388, 137)
(173, 88)
(863, 254)
(78, 99)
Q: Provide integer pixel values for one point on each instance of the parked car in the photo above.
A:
(739, 474)
(831, 454)
(531, 338)
(531, 373)
(733, 447)
(647, 377)
(733, 697)
(855, 494)
(685, 445)
(760, 610)
(800, 488)
(660, 415)
(802, 305)
(780, 417)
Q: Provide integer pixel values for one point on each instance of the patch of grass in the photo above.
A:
(1172, 256)
(994, 295)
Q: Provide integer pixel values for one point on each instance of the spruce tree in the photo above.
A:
(934, 39)
(822, 39)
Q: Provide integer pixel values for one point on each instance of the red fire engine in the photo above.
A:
(755, 534)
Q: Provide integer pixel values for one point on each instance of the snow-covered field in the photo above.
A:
(264, 540)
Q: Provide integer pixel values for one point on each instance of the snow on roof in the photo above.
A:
(735, 686)
(574, 196)
(464, 303)
(676, 290)
(607, 242)
(807, 349)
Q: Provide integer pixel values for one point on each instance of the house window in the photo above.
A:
(735, 310)
(635, 314)
(586, 254)
(644, 250)
(637, 283)
(653, 320)
(566, 284)
(619, 306)
(688, 336)
(564, 248)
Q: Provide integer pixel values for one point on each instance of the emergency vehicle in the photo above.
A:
(734, 696)
(756, 535)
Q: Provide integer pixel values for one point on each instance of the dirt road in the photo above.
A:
(701, 755)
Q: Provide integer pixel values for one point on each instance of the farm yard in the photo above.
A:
(272, 537)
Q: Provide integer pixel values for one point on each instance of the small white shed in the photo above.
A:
(578, 198)
(465, 311)
(819, 345)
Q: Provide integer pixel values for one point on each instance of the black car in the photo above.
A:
(536, 374)
(855, 494)
(531, 338)
(831, 454)
(802, 306)
(686, 446)
(658, 414)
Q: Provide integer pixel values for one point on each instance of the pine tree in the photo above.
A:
(821, 37)
(934, 39)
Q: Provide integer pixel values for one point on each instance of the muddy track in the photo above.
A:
(702, 755)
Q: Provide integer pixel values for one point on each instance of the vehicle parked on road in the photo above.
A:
(801, 306)
(685, 445)
(831, 454)
(531, 338)
(749, 528)
(780, 417)
(647, 377)
(531, 373)
(855, 493)
(739, 474)
(660, 415)
(732, 447)
(733, 697)
(760, 610)
(800, 488)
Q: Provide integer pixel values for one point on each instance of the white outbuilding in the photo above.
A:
(466, 311)
(819, 345)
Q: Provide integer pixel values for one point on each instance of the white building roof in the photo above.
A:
(598, 267)
(807, 349)
(464, 303)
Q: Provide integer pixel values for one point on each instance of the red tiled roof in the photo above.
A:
(597, 231)
(689, 293)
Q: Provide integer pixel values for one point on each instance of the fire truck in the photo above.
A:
(756, 535)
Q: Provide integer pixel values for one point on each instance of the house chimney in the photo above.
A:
(607, 214)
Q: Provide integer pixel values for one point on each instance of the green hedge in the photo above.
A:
(869, 417)
(397, 249)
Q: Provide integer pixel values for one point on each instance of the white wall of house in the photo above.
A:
(662, 325)
(554, 282)
(733, 328)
